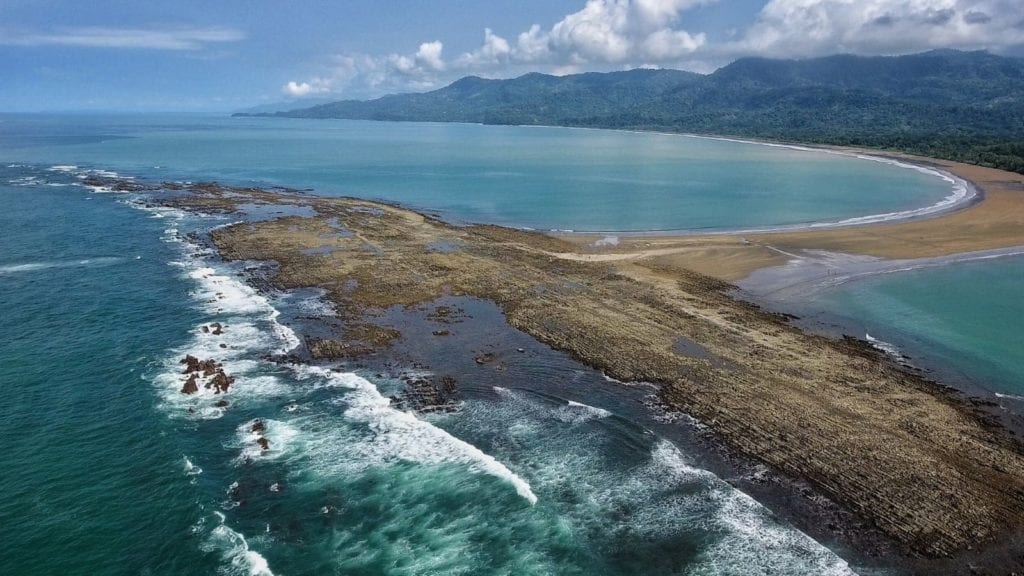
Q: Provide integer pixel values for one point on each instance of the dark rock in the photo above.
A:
(191, 363)
(258, 426)
(209, 367)
(221, 404)
(190, 387)
(263, 443)
(221, 382)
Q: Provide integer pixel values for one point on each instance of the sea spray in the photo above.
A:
(401, 435)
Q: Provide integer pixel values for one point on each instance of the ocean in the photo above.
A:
(960, 322)
(546, 468)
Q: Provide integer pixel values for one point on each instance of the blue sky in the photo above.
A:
(231, 54)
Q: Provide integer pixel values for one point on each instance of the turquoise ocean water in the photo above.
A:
(109, 470)
(962, 321)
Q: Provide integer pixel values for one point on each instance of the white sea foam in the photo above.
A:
(190, 468)
(395, 435)
(243, 312)
(1009, 396)
(34, 266)
(576, 412)
(279, 435)
(249, 323)
(666, 497)
(752, 541)
(65, 168)
(234, 550)
(25, 181)
(889, 349)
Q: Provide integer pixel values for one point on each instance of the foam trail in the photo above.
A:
(34, 266)
(889, 349)
(234, 549)
(190, 468)
(576, 412)
(751, 538)
(1009, 396)
(403, 436)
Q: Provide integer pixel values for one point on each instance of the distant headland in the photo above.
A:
(961, 106)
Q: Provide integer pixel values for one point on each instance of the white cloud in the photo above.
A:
(429, 55)
(314, 86)
(364, 75)
(532, 45)
(618, 34)
(797, 28)
(623, 31)
(495, 50)
(147, 38)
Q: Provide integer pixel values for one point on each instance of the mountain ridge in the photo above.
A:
(964, 106)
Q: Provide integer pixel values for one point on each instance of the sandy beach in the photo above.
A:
(994, 221)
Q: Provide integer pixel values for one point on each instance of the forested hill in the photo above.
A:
(966, 106)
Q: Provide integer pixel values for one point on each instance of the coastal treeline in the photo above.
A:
(964, 106)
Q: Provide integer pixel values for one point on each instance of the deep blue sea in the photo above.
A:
(110, 470)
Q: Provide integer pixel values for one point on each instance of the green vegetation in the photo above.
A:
(965, 106)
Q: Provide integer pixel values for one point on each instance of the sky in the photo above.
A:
(192, 55)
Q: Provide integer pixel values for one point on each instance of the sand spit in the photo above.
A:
(809, 271)
(905, 454)
(994, 221)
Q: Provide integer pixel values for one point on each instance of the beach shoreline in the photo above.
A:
(993, 218)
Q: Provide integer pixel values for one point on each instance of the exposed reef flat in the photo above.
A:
(923, 465)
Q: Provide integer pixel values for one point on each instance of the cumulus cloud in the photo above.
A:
(361, 75)
(614, 32)
(797, 28)
(147, 38)
(314, 86)
(618, 34)
(494, 51)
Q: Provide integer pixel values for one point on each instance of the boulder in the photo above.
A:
(221, 382)
(190, 387)
(191, 363)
